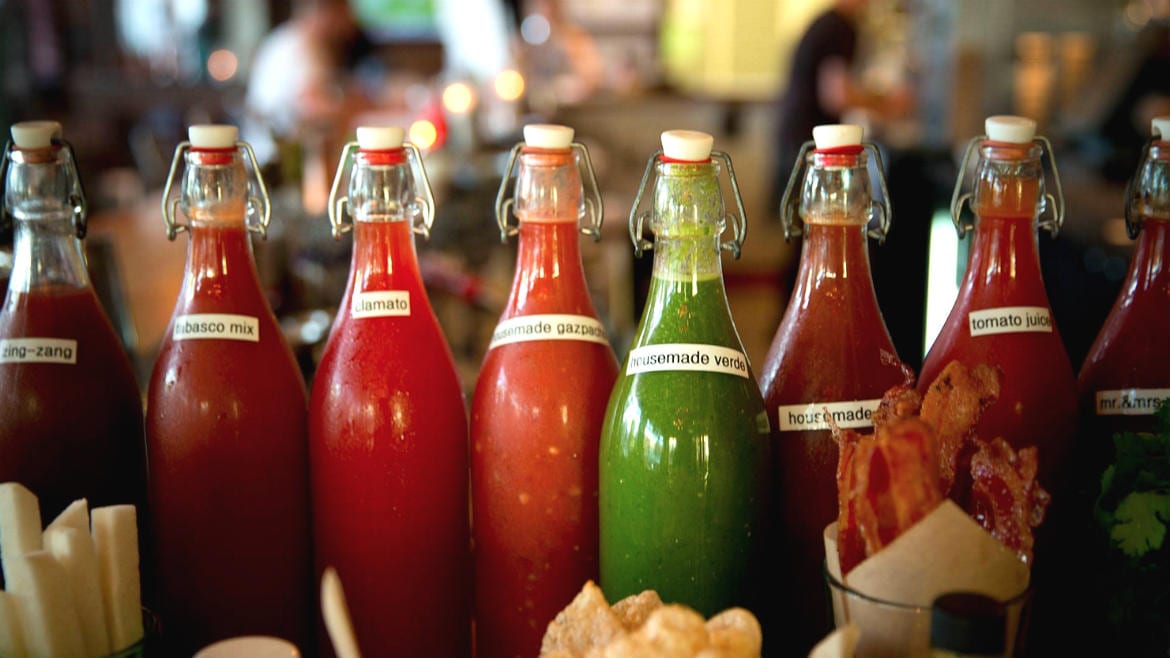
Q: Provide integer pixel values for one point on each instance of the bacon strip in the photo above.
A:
(1006, 499)
(952, 407)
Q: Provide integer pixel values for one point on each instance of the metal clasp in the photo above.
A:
(1133, 216)
(258, 204)
(737, 220)
(592, 194)
(1053, 224)
(790, 202)
(77, 197)
(424, 203)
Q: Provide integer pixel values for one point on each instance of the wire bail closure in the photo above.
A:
(1052, 224)
(258, 204)
(790, 202)
(1133, 194)
(737, 220)
(77, 197)
(422, 210)
(594, 209)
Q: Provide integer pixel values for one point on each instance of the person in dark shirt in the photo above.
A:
(821, 87)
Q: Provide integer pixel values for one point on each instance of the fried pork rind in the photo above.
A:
(635, 609)
(587, 622)
(952, 407)
(1006, 499)
(734, 633)
(653, 630)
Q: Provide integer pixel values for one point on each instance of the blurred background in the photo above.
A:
(125, 78)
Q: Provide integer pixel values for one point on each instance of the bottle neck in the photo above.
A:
(382, 188)
(834, 261)
(548, 201)
(215, 188)
(549, 275)
(46, 250)
(687, 222)
(220, 264)
(1009, 181)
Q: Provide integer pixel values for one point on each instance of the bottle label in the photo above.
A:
(549, 327)
(687, 356)
(217, 326)
(823, 415)
(1010, 320)
(38, 350)
(380, 304)
(1131, 401)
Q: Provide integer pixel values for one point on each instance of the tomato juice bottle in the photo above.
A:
(1002, 318)
(70, 410)
(388, 428)
(538, 406)
(1126, 375)
(226, 424)
(831, 352)
(685, 447)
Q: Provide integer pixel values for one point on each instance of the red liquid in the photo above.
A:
(1133, 348)
(535, 422)
(388, 436)
(1037, 402)
(70, 431)
(226, 432)
(828, 348)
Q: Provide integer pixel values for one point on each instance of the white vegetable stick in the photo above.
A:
(115, 532)
(74, 516)
(47, 616)
(11, 638)
(336, 613)
(20, 523)
(77, 555)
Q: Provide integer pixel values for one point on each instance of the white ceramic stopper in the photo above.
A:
(548, 136)
(687, 145)
(213, 136)
(380, 138)
(251, 646)
(35, 134)
(1010, 129)
(836, 135)
(1160, 127)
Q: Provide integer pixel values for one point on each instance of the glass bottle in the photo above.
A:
(538, 406)
(1002, 318)
(685, 452)
(226, 422)
(1127, 371)
(1125, 376)
(388, 428)
(831, 352)
(70, 410)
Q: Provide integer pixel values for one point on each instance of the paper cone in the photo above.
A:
(888, 596)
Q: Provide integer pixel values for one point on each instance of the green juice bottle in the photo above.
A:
(685, 451)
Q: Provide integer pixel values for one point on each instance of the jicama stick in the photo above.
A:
(47, 615)
(20, 523)
(11, 637)
(76, 553)
(115, 532)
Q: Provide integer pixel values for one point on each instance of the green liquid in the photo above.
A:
(684, 464)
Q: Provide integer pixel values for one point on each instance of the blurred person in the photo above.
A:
(822, 85)
(300, 80)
